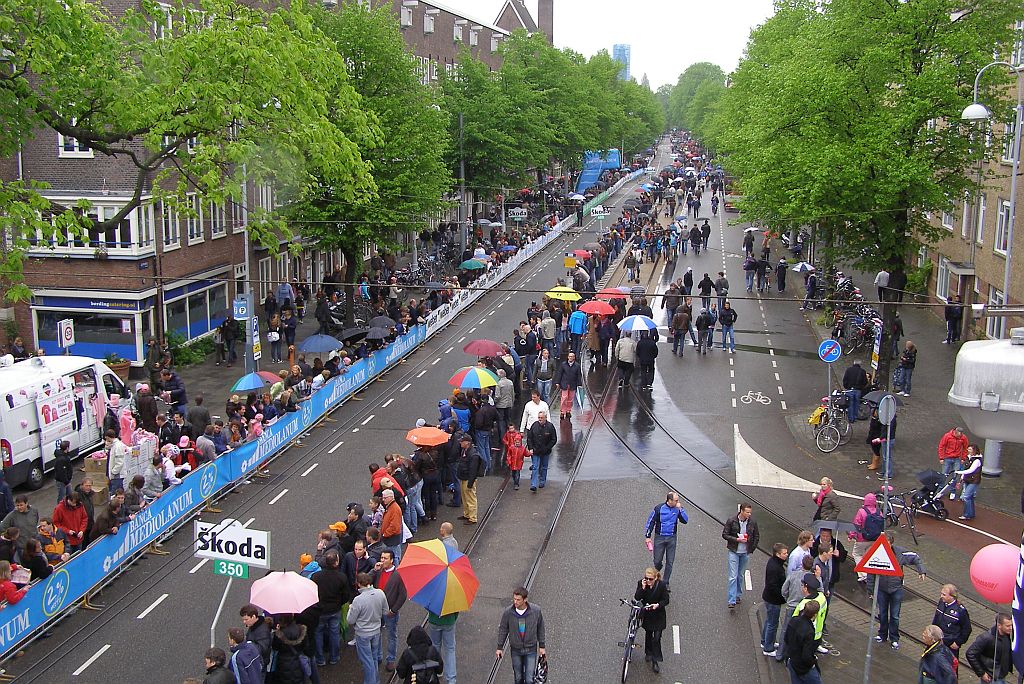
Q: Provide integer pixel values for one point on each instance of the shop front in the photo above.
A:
(104, 325)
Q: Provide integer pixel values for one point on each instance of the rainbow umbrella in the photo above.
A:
(438, 578)
(473, 377)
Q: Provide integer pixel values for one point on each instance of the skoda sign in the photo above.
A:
(229, 541)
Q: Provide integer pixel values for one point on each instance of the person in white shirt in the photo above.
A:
(532, 409)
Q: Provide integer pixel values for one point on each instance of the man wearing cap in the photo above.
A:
(391, 523)
(811, 586)
(467, 467)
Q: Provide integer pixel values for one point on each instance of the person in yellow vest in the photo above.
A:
(812, 592)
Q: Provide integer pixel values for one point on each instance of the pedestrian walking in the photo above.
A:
(882, 283)
(721, 289)
(971, 478)
(801, 648)
(741, 536)
(774, 579)
(811, 283)
(366, 615)
(661, 532)
(868, 524)
(954, 315)
(688, 281)
(952, 449)
(727, 317)
(568, 379)
(654, 594)
(541, 439)
(793, 592)
(780, 276)
(63, 472)
(544, 372)
(704, 327)
(705, 287)
(952, 619)
(855, 382)
(522, 624)
(936, 664)
(515, 453)
(680, 327)
(990, 654)
(625, 355)
(890, 594)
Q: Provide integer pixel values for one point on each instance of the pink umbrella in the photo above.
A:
(283, 592)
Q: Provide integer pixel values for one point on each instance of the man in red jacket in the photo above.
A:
(952, 449)
(71, 518)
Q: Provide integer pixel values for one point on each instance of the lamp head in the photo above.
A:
(975, 112)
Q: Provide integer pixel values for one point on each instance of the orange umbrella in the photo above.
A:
(427, 436)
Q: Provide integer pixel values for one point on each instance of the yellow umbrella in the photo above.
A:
(564, 293)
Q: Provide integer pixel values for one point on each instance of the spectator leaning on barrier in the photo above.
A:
(71, 519)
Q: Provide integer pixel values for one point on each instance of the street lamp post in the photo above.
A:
(976, 112)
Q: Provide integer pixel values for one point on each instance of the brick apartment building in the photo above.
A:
(160, 272)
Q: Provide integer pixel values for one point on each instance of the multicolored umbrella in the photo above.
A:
(427, 436)
(250, 381)
(269, 376)
(438, 578)
(564, 293)
(473, 377)
(596, 306)
(483, 348)
(637, 322)
(283, 592)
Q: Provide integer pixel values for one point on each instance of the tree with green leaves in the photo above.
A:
(684, 92)
(191, 98)
(407, 161)
(845, 115)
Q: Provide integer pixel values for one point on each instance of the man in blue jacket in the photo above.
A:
(661, 532)
(577, 328)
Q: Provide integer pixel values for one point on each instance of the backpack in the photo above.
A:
(874, 525)
(426, 671)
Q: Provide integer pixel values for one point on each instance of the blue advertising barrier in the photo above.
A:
(45, 601)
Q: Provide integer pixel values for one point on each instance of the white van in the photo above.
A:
(46, 399)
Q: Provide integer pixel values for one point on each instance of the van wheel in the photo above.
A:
(34, 480)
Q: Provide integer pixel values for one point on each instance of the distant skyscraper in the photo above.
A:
(620, 53)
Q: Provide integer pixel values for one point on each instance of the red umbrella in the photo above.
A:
(483, 348)
(596, 306)
(582, 254)
(611, 293)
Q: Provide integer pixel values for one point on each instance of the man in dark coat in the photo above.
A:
(774, 578)
(801, 647)
(467, 467)
(540, 439)
(646, 353)
(983, 653)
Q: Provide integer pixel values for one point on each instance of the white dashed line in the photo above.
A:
(734, 402)
(777, 378)
(732, 386)
(248, 522)
(492, 312)
(197, 566)
(388, 402)
(152, 606)
(732, 374)
(461, 339)
(91, 660)
(780, 390)
(355, 429)
(372, 415)
(470, 332)
(774, 365)
(732, 362)
(407, 386)
(675, 639)
(449, 350)
(424, 372)
(277, 498)
(308, 470)
(335, 447)
(435, 362)
(783, 403)
(772, 352)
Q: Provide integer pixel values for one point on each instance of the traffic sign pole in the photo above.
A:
(829, 351)
(220, 609)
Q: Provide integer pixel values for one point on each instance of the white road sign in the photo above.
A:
(66, 332)
(228, 540)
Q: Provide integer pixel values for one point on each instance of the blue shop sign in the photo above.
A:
(88, 303)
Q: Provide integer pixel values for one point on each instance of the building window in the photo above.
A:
(218, 219)
(265, 196)
(71, 147)
(1002, 228)
(423, 67)
(282, 268)
(979, 230)
(947, 220)
(163, 20)
(406, 17)
(236, 212)
(433, 70)
(922, 257)
(146, 226)
(457, 32)
(1017, 55)
(169, 224)
(474, 37)
(265, 280)
(428, 22)
(1008, 151)
(965, 219)
(942, 279)
(96, 334)
(995, 326)
(194, 219)
(118, 236)
(495, 39)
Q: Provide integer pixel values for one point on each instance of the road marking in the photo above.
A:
(355, 429)
(483, 319)
(335, 447)
(470, 332)
(772, 352)
(777, 378)
(492, 312)
(448, 351)
(407, 386)
(746, 580)
(91, 660)
(732, 386)
(308, 470)
(461, 339)
(768, 341)
(372, 415)
(248, 522)
(152, 606)
(422, 373)
(388, 402)
(675, 639)
(780, 390)
(774, 365)
(732, 374)
(734, 402)
(277, 498)
(197, 566)
(783, 404)
(436, 361)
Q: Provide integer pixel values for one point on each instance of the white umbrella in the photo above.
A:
(577, 197)
(496, 224)
(804, 267)
(751, 229)
(283, 592)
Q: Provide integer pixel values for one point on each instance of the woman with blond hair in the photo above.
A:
(825, 499)
(653, 592)
(8, 592)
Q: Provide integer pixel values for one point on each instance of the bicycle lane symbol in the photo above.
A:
(752, 396)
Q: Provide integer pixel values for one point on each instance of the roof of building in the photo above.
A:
(522, 14)
(475, 21)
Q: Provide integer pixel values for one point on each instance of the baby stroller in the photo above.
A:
(928, 497)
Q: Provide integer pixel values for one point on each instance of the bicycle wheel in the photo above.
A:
(842, 424)
(909, 514)
(626, 658)
(827, 438)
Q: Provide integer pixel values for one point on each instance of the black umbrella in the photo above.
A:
(876, 397)
(380, 322)
(353, 334)
(378, 334)
(638, 291)
(434, 285)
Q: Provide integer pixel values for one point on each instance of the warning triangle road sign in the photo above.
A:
(880, 560)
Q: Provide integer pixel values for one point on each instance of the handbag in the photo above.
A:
(273, 336)
(540, 676)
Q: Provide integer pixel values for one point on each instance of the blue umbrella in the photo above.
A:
(319, 344)
(637, 322)
(509, 248)
(249, 381)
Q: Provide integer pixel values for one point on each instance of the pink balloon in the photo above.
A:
(994, 572)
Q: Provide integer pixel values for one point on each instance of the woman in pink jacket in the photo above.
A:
(861, 543)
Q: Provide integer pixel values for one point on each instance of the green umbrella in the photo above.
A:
(472, 265)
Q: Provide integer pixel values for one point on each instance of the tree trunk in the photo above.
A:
(352, 262)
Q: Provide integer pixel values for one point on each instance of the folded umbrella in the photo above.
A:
(427, 436)
(283, 592)
(483, 348)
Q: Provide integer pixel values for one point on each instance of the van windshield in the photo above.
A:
(113, 385)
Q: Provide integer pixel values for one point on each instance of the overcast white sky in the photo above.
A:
(666, 36)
